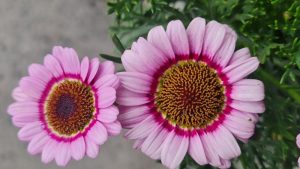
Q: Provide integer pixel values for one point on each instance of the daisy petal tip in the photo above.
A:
(57, 48)
(114, 128)
(58, 52)
(298, 140)
(10, 110)
(107, 97)
(198, 19)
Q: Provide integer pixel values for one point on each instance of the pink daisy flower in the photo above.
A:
(65, 108)
(298, 144)
(184, 91)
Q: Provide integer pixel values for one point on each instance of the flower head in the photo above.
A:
(184, 91)
(65, 108)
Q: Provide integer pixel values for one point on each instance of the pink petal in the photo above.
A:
(78, 148)
(248, 90)
(150, 55)
(226, 49)
(107, 96)
(298, 140)
(63, 155)
(175, 152)
(251, 107)
(29, 131)
(93, 69)
(166, 144)
(32, 87)
(49, 151)
(113, 128)
(134, 47)
(195, 32)
(239, 70)
(19, 95)
(213, 39)
(97, 133)
(225, 164)
(227, 147)
(40, 72)
(110, 80)
(132, 116)
(209, 147)
(109, 114)
(159, 39)
(23, 113)
(149, 139)
(74, 62)
(92, 148)
(133, 63)
(38, 142)
(136, 82)
(52, 64)
(142, 130)
(106, 68)
(250, 82)
(21, 120)
(132, 112)
(132, 100)
(128, 98)
(240, 124)
(178, 38)
(240, 55)
(196, 150)
(253, 117)
(25, 107)
(137, 144)
(131, 123)
(68, 59)
(152, 146)
(84, 68)
(59, 54)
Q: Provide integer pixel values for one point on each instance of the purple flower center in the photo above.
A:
(65, 106)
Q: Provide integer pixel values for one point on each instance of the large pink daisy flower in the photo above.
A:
(184, 92)
(65, 108)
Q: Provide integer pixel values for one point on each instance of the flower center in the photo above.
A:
(65, 106)
(190, 94)
(69, 107)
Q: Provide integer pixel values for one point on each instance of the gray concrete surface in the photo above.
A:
(28, 30)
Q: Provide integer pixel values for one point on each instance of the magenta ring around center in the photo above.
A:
(42, 102)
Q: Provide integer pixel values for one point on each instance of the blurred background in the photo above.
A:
(28, 30)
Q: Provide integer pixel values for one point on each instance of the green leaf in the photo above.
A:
(297, 58)
(118, 43)
(292, 76)
(111, 58)
(284, 76)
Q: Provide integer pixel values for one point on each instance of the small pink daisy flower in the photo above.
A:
(184, 92)
(298, 144)
(65, 108)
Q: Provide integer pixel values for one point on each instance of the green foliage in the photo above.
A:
(271, 29)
